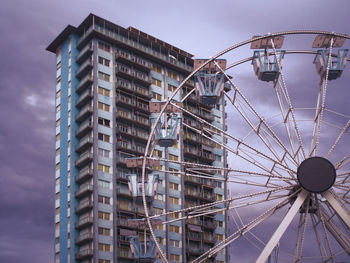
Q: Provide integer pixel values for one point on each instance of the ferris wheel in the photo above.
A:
(287, 141)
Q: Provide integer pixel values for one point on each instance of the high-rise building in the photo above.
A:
(106, 75)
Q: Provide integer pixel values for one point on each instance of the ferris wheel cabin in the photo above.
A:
(135, 187)
(209, 81)
(145, 253)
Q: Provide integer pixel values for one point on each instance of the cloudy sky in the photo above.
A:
(27, 74)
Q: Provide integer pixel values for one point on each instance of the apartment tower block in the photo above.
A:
(106, 76)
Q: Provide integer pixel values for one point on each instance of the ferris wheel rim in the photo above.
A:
(148, 153)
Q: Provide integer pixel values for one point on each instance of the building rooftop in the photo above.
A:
(129, 32)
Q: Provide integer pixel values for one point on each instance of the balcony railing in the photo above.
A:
(84, 98)
(85, 112)
(84, 128)
(84, 206)
(84, 190)
(83, 238)
(84, 53)
(84, 159)
(84, 174)
(84, 83)
(84, 221)
(84, 68)
(85, 253)
(84, 143)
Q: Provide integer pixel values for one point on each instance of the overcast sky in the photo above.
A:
(27, 75)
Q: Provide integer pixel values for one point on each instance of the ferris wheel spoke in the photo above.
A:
(261, 121)
(282, 227)
(321, 102)
(242, 231)
(288, 100)
(345, 160)
(334, 230)
(338, 138)
(337, 206)
(236, 152)
(321, 247)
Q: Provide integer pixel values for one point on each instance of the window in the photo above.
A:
(173, 200)
(217, 157)
(103, 152)
(156, 96)
(57, 196)
(104, 137)
(103, 91)
(103, 76)
(218, 197)
(171, 88)
(58, 52)
(157, 153)
(104, 199)
(158, 211)
(58, 94)
(104, 122)
(219, 237)
(58, 79)
(174, 257)
(104, 215)
(104, 247)
(104, 231)
(58, 152)
(103, 168)
(103, 106)
(172, 75)
(58, 65)
(175, 215)
(58, 122)
(104, 46)
(157, 68)
(173, 157)
(175, 229)
(220, 223)
(58, 108)
(156, 82)
(174, 243)
(57, 226)
(104, 261)
(103, 61)
(160, 227)
(57, 166)
(57, 211)
(104, 184)
(173, 186)
(159, 197)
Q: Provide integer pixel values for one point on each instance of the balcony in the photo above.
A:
(84, 238)
(121, 191)
(143, 136)
(122, 176)
(84, 174)
(84, 254)
(144, 121)
(209, 238)
(84, 98)
(84, 190)
(192, 138)
(211, 225)
(196, 236)
(84, 53)
(84, 143)
(114, 36)
(193, 180)
(207, 196)
(133, 60)
(125, 254)
(84, 128)
(84, 159)
(84, 222)
(142, 106)
(191, 193)
(125, 131)
(84, 68)
(85, 112)
(199, 154)
(131, 74)
(194, 250)
(126, 208)
(84, 83)
(125, 101)
(84, 206)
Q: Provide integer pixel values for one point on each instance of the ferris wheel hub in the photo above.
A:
(316, 174)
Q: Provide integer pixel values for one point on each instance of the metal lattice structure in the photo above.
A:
(289, 166)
